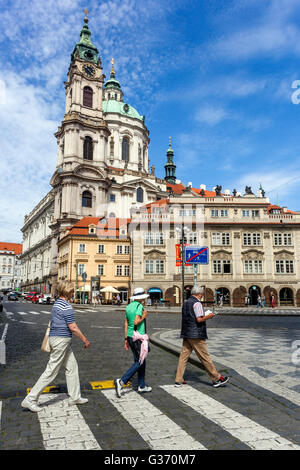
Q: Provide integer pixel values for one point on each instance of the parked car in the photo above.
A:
(30, 295)
(46, 299)
(35, 298)
(24, 294)
(12, 296)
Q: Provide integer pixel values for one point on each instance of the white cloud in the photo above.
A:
(211, 115)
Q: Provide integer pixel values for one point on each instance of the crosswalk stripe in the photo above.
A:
(45, 311)
(63, 427)
(34, 313)
(0, 413)
(23, 313)
(254, 435)
(155, 428)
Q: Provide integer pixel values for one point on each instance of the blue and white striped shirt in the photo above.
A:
(61, 315)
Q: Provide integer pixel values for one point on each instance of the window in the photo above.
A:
(81, 269)
(253, 266)
(282, 239)
(86, 199)
(251, 239)
(154, 238)
(255, 213)
(219, 212)
(87, 97)
(119, 249)
(125, 149)
(88, 148)
(187, 213)
(221, 266)
(127, 250)
(101, 249)
(245, 213)
(100, 269)
(119, 270)
(154, 266)
(192, 238)
(112, 198)
(220, 238)
(126, 270)
(140, 195)
(284, 266)
(81, 248)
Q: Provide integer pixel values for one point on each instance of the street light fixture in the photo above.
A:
(183, 231)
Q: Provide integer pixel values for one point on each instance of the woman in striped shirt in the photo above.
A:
(62, 327)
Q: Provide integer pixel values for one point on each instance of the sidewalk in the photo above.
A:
(251, 311)
(241, 374)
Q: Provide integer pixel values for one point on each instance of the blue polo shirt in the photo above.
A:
(62, 315)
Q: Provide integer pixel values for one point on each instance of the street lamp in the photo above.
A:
(182, 230)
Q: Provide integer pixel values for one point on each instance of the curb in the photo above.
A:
(236, 379)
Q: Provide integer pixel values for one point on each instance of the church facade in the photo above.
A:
(102, 164)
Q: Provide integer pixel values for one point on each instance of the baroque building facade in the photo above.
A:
(253, 247)
(102, 164)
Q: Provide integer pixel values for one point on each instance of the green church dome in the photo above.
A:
(114, 106)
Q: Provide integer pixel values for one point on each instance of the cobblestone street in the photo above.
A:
(251, 412)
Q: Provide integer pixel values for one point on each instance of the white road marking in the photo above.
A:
(63, 427)
(35, 313)
(23, 313)
(0, 413)
(46, 311)
(159, 431)
(254, 435)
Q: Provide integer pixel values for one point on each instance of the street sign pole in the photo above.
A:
(195, 274)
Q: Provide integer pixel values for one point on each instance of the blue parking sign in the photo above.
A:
(196, 254)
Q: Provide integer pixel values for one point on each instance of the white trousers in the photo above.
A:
(61, 355)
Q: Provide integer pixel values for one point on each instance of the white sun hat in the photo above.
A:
(139, 294)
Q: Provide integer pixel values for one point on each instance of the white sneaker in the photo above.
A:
(118, 387)
(80, 401)
(31, 405)
(145, 389)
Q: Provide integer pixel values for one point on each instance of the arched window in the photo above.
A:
(86, 199)
(87, 97)
(140, 195)
(125, 149)
(88, 148)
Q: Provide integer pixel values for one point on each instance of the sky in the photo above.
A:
(221, 77)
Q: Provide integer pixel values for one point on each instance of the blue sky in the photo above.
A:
(216, 75)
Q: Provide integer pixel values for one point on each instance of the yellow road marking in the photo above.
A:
(104, 385)
(46, 390)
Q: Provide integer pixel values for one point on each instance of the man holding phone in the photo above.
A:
(193, 332)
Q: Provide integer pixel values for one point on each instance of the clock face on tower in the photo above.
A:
(89, 70)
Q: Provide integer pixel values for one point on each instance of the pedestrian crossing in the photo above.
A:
(158, 426)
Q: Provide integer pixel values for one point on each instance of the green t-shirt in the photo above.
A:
(133, 309)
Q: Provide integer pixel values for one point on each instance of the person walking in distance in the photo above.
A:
(193, 332)
(135, 323)
(61, 329)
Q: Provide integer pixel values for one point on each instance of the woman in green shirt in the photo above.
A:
(134, 320)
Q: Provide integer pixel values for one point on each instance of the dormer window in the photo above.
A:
(92, 229)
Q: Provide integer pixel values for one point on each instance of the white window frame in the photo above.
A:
(253, 266)
(284, 266)
(283, 239)
(218, 266)
(119, 270)
(81, 248)
(252, 239)
(101, 249)
(101, 270)
(81, 268)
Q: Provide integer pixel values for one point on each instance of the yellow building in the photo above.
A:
(96, 253)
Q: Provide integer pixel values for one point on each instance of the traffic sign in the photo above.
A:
(196, 254)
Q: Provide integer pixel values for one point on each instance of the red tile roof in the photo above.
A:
(110, 228)
(15, 247)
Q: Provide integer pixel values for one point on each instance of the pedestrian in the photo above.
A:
(258, 301)
(273, 303)
(118, 299)
(135, 321)
(61, 328)
(221, 301)
(263, 301)
(193, 332)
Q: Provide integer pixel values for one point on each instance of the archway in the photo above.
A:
(172, 295)
(238, 297)
(188, 290)
(209, 296)
(298, 298)
(286, 296)
(223, 296)
(254, 292)
(156, 295)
